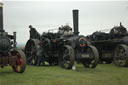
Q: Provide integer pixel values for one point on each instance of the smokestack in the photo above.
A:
(75, 21)
(1, 17)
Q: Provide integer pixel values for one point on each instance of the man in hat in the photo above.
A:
(33, 33)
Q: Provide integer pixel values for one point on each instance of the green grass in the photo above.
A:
(104, 74)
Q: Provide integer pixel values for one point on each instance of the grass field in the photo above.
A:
(104, 74)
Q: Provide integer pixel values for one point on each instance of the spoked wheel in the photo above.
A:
(121, 55)
(30, 51)
(20, 63)
(68, 57)
(93, 54)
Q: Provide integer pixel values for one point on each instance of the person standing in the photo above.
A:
(40, 54)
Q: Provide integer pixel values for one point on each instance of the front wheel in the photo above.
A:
(94, 57)
(68, 57)
(20, 65)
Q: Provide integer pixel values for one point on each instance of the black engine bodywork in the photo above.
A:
(106, 43)
(63, 47)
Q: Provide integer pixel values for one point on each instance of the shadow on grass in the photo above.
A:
(4, 73)
(79, 68)
(87, 70)
(44, 65)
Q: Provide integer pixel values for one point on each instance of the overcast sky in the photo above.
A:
(44, 15)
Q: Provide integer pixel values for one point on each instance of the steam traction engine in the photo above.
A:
(112, 46)
(63, 47)
(9, 54)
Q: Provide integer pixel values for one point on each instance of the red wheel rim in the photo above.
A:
(19, 63)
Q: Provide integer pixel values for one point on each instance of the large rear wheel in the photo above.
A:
(30, 51)
(121, 55)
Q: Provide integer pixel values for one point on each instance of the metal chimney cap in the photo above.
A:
(75, 9)
(1, 4)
